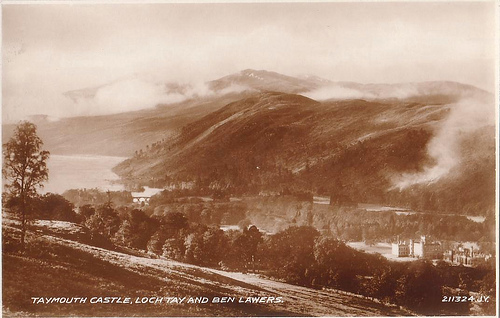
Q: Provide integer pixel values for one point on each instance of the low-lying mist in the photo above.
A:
(340, 91)
(466, 116)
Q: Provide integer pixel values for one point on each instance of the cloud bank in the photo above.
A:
(340, 91)
(138, 93)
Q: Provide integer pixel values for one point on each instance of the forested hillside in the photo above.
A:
(420, 151)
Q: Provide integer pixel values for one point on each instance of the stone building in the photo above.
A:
(417, 249)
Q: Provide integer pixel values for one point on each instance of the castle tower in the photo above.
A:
(422, 239)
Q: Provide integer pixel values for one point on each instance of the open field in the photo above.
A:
(384, 249)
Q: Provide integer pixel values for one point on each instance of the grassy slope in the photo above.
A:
(291, 127)
(57, 267)
(287, 131)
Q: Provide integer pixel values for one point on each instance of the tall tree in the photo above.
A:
(25, 169)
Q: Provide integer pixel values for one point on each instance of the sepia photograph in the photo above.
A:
(249, 159)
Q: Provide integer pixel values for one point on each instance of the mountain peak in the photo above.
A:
(263, 80)
(253, 73)
(250, 70)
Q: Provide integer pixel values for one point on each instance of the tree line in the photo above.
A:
(298, 255)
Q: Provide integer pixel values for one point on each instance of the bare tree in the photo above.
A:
(25, 169)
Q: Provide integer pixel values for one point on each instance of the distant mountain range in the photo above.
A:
(123, 133)
(120, 134)
(424, 145)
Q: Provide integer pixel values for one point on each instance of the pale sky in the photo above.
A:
(49, 49)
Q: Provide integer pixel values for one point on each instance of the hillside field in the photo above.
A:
(57, 264)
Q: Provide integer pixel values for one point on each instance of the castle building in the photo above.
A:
(465, 256)
(418, 249)
(400, 249)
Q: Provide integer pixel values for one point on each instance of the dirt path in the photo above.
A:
(317, 302)
(296, 299)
